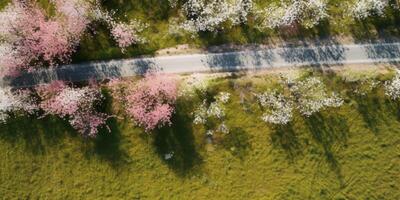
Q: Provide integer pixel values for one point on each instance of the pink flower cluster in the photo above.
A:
(31, 39)
(151, 101)
(74, 104)
(124, 35)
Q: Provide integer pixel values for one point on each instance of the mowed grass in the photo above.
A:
(348, 153)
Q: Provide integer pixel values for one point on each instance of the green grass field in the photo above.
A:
(352, 152)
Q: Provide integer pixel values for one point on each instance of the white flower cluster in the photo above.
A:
(12, 102)
(365, 8)
(392, 88)
(223, 97)
(366, 86)
(214, 110)
(173, 3)
(287, 13)
(209, 15)
(279, 108)
(311, 96)
(125, 34)
(194, 83)
(200, 114)
(10, 14)
(308, 97)
(8, 57)
(169, 156)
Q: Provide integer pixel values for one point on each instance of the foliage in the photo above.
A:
(210, 15)
(311, 96)
(151, 101)
(125, 34)
(290, 13)
(393, 87)
(14, 102)
(78, 105)
(351, 153)
(366, 86)
(279, 108)
(307, 96)
(208, 112)
(365, 8)
(193, 84)
(30, 39)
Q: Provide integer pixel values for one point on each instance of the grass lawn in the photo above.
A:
(352, 152)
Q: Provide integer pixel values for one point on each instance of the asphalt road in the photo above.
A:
(252, 59)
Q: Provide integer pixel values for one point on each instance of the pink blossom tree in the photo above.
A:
(125, 34)
(30, 39)
(151, 101)
(75, 104)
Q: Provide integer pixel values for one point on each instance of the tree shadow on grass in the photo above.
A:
(393, 107)
(35, 134)
(107, 144)
(383, 28)
(179, 140)
(285, 137)
(331, 132)
(237, 143)
(370, 110)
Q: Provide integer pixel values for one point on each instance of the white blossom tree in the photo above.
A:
(14, 102)
(287, 13)
(392, 88)
(193, 84)
(278, 108)
(210, 15)
(212, 115)
(311, 96)
(365, 8)
(307, 96)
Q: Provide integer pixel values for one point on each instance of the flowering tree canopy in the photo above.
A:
(288, 13)
(279, 108)
(307, 96)
(212, 114)
(30, 39)
(75, 104)
(151, 101)
(393, 87)
(124, 34)
(311, 96)
(209, 15)
(12, 102)
(365, 8)
(194, 84)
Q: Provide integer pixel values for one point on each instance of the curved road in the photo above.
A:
(252, 59)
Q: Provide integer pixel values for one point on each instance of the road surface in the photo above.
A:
(252, 59)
